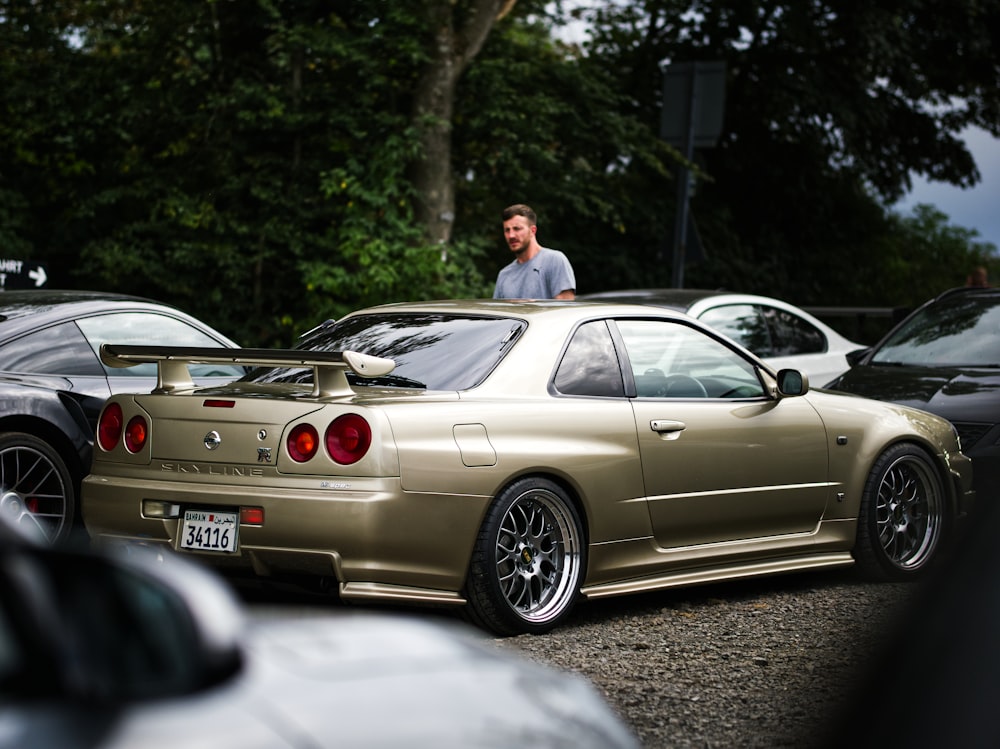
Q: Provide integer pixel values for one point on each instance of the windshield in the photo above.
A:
(431, 350)
(958, 331)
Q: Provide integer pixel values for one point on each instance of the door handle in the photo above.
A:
(667, 427)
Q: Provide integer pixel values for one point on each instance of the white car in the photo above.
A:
(781, 334)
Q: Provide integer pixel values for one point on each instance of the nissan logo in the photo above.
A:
(212, 440)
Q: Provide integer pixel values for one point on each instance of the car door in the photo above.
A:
(59, 358)
(722, 460)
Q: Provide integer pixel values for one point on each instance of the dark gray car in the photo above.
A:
(53, 385)
(944, 358)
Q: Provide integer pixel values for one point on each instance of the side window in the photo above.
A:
(151, 329)
(57, 350)
(673, 360)
(744, 324)
(590, 365)
(793, 335)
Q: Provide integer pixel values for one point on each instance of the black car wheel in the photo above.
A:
(902, 516)
(36, 490)
(528, 560)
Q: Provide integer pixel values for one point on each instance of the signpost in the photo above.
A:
(693, 102)
(22, 274)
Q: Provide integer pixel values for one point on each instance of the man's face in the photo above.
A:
(518, 233)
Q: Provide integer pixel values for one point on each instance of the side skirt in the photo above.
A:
(716, 574)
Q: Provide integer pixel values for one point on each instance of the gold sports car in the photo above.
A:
(510, 457)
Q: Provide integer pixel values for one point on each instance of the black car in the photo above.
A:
(944, 358)
(52, 387)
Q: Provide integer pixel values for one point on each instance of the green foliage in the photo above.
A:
(927, 255)
(566, 142)
(829, 108)
(250, 160)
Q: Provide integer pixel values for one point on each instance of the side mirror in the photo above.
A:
(792, 382)
(853, 357)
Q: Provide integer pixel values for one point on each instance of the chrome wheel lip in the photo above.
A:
(909, 513)
(27, 474)
(537, 556)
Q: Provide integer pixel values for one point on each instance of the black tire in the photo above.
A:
(528, 560)
(902, 518)
(36, 489)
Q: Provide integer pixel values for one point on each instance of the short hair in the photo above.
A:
(520, 209)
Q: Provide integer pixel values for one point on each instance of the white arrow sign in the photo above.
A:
(38, 275)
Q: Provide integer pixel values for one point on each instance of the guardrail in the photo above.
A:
(862, 324)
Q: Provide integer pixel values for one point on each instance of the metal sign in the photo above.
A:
(22, 274)
(691, 117)
(694, 97)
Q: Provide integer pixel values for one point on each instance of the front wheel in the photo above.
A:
(901, 521)
(528, 560)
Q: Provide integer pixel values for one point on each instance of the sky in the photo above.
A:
(976, 208)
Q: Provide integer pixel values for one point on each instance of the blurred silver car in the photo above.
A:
(153, 652)
(783, 335)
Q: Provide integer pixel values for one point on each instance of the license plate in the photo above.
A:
(210, 531)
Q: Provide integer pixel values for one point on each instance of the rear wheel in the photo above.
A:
(901, 522)
(528, 560)
(36, 490)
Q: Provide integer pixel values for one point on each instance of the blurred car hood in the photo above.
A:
(934, 389)
(353, 680)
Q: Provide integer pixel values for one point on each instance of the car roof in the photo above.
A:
(524, 308)
(680, 299)
(23, 310)
(966, 291)
(23, 302)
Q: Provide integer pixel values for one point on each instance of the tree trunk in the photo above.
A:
(453, 49)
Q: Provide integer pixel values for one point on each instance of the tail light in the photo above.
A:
(136, 434)
(303, 441)
(348, 438)
(109, 427)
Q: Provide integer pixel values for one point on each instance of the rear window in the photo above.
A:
(431, 350)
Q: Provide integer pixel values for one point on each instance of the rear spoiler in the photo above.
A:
(329, 367)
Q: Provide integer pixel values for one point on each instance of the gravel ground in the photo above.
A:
(764, 663)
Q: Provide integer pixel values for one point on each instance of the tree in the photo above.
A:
(829, 107)
(928, 255)
(269, 163)
(245, 160)
(458, 32)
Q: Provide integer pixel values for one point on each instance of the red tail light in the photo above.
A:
(109, 427)
(348, 438)
(251, 516)
(303, 441)
(217, 403)
(135, 434)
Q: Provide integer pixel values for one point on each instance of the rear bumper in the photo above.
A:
(378, 543)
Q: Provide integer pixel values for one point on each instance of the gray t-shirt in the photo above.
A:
(545, 275)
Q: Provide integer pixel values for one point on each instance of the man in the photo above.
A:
(535, 272)
(977, 279)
